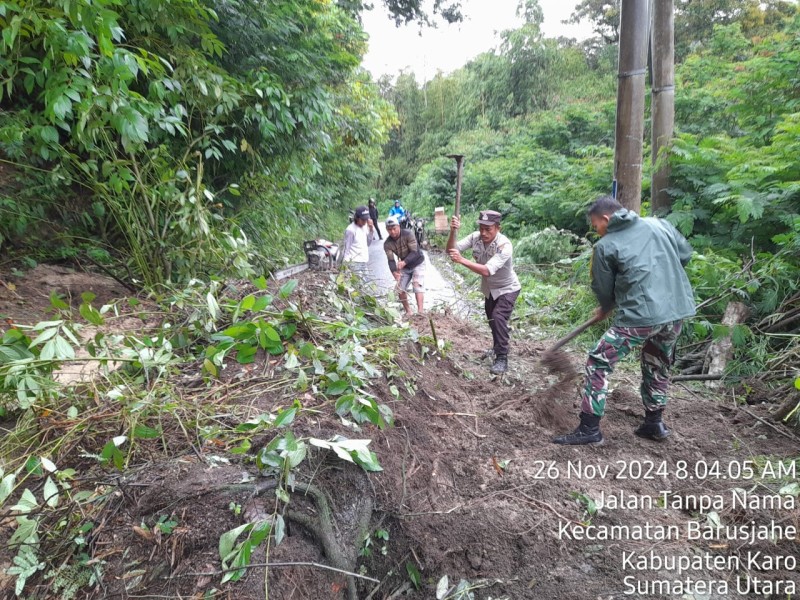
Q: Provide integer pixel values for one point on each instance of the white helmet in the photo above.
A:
(392, 221)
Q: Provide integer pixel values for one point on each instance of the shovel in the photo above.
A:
(558, 361)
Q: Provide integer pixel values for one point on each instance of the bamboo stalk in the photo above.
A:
(663, 100)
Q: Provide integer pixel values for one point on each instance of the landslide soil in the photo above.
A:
(464, 490)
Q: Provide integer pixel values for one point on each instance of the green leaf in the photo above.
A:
(50, 493)
(49, 350)
(57, 302)
(740, 334)
(720, 331)
(210, 368)
(345, 404)
(285, 417)
(282, 495)
(414, 574)
(245, 353)
(63, 350)
(260, 283)
(33, 465)
(44, 336)
(7, 486)
(91, 314)
(26, 503)
(228, 539)
(335, 388)
(280, 529)
(270, 332)
(247, 302)
(261, 303)
(213, 307)
(26, 531)
(291, 361)
(287, 288)
(49, 134)
(296, 456)
(145, 432)
(240, 332)
(791, 489)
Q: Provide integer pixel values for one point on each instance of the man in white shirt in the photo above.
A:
(357, 238)
(499, 283)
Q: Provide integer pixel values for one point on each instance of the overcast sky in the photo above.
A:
(451, 46)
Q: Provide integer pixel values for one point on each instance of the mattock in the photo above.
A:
(459, 158)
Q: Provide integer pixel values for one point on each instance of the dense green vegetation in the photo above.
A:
(180, 143)
(151, 126)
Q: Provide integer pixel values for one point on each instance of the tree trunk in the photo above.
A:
(720, 351)
(663, 101)
(634, 21)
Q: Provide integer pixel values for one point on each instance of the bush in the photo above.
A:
(549, 245)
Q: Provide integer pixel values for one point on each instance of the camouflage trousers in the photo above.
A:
(658, 349)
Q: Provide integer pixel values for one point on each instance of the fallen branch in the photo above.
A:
(128, 286)
(720, 351)
(697, 377)
(770, 425)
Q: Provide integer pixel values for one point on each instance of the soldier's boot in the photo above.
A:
(588, 432)
(653, 428)
(500, 365)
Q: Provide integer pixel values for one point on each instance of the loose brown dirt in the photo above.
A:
(471, 488)
(25, 296)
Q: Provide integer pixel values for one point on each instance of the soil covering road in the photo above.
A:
(471, 488)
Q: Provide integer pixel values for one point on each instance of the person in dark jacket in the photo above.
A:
(373, 214)
(406, 262)
(637, 268)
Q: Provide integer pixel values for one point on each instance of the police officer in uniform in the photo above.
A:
(493, 261)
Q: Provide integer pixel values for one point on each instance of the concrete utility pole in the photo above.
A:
(663, 99)
(633, 38)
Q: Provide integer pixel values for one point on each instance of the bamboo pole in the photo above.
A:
(634, 22)
(663, 100)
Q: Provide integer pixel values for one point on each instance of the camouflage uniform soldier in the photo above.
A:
(637, 268)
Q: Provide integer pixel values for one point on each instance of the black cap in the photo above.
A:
(489, 217)
(361, 212)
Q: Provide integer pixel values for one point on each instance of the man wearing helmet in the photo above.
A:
(406, 262)
(397, 211)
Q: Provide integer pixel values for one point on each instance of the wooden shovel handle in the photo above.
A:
(577, 331)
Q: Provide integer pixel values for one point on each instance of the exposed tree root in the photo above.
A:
(322, 525)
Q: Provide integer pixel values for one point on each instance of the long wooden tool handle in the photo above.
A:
(459, 170)
(451, 240)
(577, 331)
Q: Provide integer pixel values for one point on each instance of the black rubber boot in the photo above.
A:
(500, 365)
(588, 432)
(653, 427)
